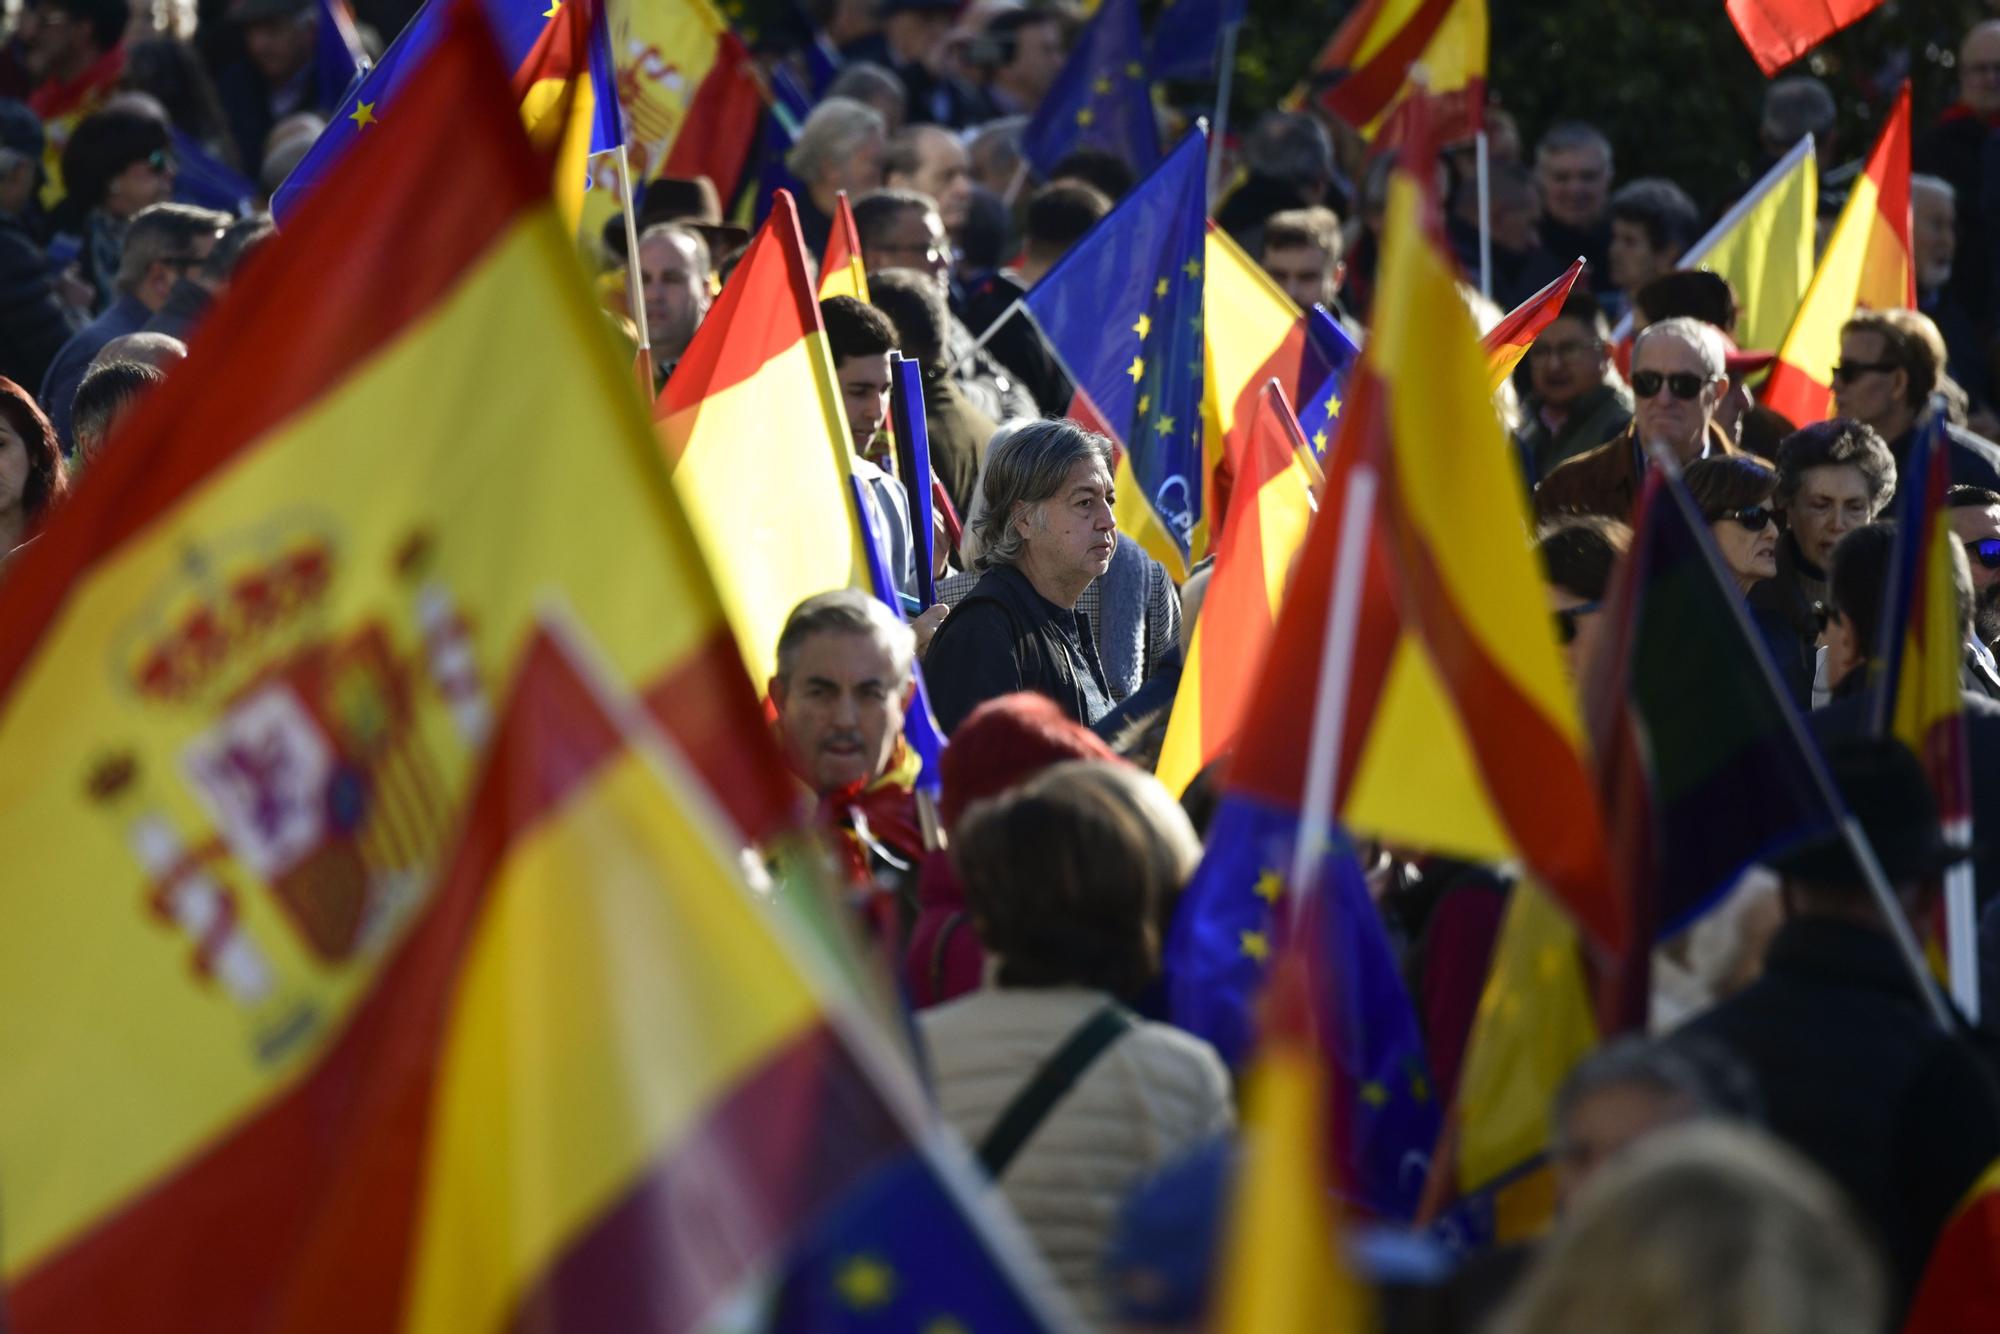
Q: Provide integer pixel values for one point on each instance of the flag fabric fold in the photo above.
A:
(1101, 98)
(1123, 311)
(1269, 510)
(1509, 340)
(266, 649)
(1777, 32)
(756, 443)
(1960, 1288)
(1867, 263)
(1187, 37)
(1364, 74)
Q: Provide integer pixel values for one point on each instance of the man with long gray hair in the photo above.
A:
(1045, 532)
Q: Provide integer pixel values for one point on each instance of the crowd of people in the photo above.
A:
(1778, 1153)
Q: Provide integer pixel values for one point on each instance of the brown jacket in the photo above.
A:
(1605, 480)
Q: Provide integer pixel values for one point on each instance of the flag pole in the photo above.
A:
(1851, 832)
(635, 293)
(1482, 170)
(1336, 672)
(1225, 80)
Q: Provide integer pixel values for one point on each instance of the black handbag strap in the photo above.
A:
(1058, 1075)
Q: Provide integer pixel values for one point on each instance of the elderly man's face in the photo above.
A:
(1575, 185)
(1663, 369)
(1072, 533)
(945, 174)
(1567, 361)
(840, 710)
(1979, 69)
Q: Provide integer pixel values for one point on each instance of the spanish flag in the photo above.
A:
(1920, 698)
(1269, 509)
(1509, 340)
(689, 92)
(1960, 1289)
(246, 678)
(840, 271)
(1364, 74)
(756, 442)
(1867, 263)
(1777, 32)
(1280, 1267)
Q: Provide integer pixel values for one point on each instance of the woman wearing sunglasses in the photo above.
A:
(1734, 495)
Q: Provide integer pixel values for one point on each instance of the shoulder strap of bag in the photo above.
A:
(1032, 1105)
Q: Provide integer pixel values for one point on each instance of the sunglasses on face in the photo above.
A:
(1986, 551)
(1683, 384)
(1847, 372)
(1753, 517)
(1567, 618)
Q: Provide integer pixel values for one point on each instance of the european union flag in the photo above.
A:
(1227, 929)
(369, 106)
(1122, 310)
(1329, 358)
(1101, 99)
(1188, 34)
(900, 1254)
(920, 725)
(206, 180)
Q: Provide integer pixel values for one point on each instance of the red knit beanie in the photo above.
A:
(1006, 741)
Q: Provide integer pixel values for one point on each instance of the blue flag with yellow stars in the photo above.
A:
(517, 27)
(1229, 927)
(1188, 34)
(1329, 357)
(899, 1254)
(1122, 310)
(1101, 99)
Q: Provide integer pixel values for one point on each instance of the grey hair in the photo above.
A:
(1628, 1061)
(1027, 467)
(704, 262)
(1567, 135)
(846, 611)
(1290, 145)
(1925, 181)
(997, 143)
(864, 79)
(836, 129)
(1796, 107)
(1705, 339)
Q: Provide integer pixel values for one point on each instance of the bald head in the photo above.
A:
(163, 351)
(1979, 68)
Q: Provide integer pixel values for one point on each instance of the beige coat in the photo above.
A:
(1150, 1096)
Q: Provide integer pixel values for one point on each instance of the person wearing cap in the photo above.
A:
(1576, 400)
(1851, 1068)
(275, 79)
(34, 322)
(1891, 363)
(1679, 379)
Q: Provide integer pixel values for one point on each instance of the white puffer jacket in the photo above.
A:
(1151, 1095)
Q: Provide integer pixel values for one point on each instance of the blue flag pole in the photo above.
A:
(913, 448)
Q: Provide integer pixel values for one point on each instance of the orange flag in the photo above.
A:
(1867, 264)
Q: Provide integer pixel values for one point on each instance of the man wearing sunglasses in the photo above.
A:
(1576, 402)
(1678, 380)
(1975, 521)
(1891, 362)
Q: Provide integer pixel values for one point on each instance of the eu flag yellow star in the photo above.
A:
(1143, 327)
(1137, 369)
(1102, 86)
(1192, 268)
(1420, 1088)
(1160, 287)
(1333, 405)
(1085, 117)
(1374, 1094)
(554, 6)
(1319, 441)
(1133, 69)
(363, 115)
(1145, 404)
(1255, 945)
(865, 1283)
(1270, 885)
(1165, 426)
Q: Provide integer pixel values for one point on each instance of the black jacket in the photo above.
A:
(1975, 460)
(1856, 1076)
(33, 323)
(1006, 637)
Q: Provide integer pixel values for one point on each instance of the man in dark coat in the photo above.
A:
(34, 323)
(1853, 1070)
(1046, 532)
(1890, 365)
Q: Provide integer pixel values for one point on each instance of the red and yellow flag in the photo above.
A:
(1777, 32)
(1269, 509)
(840, 271)
(1365, 73)
(1867, 263)
(1960, 1289)
(246, 676)
(1509, 340)
(756, 442)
